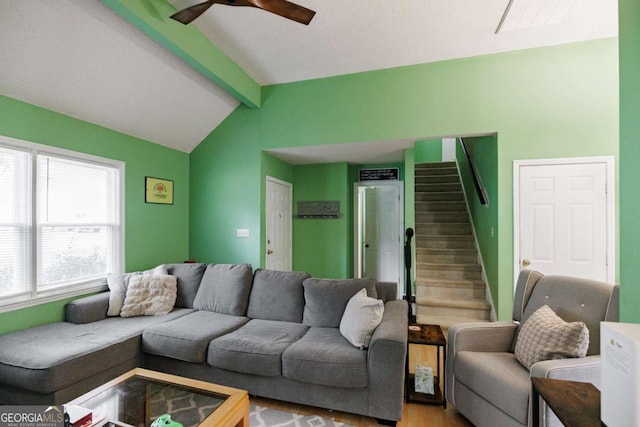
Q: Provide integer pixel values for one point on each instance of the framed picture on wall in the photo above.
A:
(158, 191)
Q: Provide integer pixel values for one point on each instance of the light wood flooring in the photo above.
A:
(414, 415)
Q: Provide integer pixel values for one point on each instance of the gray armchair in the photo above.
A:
(486, 382)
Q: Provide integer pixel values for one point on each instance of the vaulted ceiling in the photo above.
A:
(82, 58)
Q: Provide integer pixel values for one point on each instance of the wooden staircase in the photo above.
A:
(449, 285)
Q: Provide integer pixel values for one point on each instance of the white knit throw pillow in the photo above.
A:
(361, 317)
(150, 295)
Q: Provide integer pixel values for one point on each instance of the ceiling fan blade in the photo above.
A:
(188, 14)
(286, 9)
(282, 8)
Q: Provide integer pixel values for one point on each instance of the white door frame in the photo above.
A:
(266, 213)
(356, 235)
(609, 162)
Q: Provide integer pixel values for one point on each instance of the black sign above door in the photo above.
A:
(382, 174)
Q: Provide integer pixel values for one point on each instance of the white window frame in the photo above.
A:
(35, 296)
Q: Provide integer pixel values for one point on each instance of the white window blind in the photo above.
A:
(76, 221)
(15, 222)
(60, 222)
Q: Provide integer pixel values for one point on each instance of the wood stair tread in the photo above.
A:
(446, 322)
(442, 283)
(472, 303)
(440, 237)
(451, 251)
(449, 266)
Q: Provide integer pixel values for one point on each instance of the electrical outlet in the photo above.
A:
(242, 232)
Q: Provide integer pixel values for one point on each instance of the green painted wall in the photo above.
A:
(565, 110)
(321, 246)
(484, 155)
(629, 30)
(154, 233)
(429, 151)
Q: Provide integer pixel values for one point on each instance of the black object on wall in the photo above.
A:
(407, 266)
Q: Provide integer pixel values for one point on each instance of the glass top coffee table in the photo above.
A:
(140, 396)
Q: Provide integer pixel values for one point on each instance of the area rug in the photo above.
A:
(190, 409)
(267, 417)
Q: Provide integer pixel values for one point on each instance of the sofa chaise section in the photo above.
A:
(58, 361)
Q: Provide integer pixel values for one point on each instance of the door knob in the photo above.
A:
(366, 245)
(269, 251)
(526, 262)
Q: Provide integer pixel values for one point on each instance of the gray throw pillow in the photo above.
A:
(545, 336)
(277, 295)
(225, 289)
(326, 299)
(189, 276)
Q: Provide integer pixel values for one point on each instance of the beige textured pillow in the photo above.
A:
(118, 287)
(545, 336)
(150, 295)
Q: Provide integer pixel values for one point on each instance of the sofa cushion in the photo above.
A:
(189, 276)
(277, 295)
(496, 377)
(50, 357)
(255, 348)
(323, 356)
(361, 317)
(225, 289)
(188, 337)
(326, 299)
(149, 295)
(545, 336)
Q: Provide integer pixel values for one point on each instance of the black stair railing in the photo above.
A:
(407, 266)
(480, 190)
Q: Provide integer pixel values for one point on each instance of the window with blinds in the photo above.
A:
(60, 222)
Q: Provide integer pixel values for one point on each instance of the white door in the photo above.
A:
(379, 243)
(278, 225)
(565, 218)
(370, 231)
(448, 149)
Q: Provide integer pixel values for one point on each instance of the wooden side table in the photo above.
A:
(576, 404)
(426, 335)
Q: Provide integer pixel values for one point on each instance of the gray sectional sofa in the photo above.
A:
(275, 334)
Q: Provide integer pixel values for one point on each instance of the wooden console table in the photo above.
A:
(576, 404)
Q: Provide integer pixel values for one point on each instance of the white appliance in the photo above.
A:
(620, 370)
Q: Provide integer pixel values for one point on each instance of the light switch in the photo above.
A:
(242, 232)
